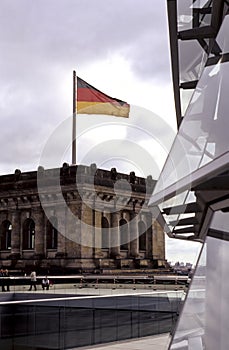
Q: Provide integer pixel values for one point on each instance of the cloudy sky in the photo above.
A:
(119, 46)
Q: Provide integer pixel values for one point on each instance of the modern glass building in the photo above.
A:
(192, 194)
(56, 321)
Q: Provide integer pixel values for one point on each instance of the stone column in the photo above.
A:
(15, 234)
(114, 234)
(23, 216)
(149, 235)
(38, 216)
(72, 232)
(134, 235)
(158, 242)
(98, 234)
(87, 231)
(61, 217)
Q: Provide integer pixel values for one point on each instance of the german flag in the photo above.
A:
(92, 101)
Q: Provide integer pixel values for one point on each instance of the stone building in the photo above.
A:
(78, 219)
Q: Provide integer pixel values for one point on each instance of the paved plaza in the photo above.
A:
(156, 342)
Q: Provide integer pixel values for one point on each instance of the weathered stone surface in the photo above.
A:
(78, 197)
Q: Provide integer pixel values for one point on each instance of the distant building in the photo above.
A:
(182, 268)
(95, 220)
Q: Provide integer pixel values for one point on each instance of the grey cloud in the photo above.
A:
(42, 40)
(152, 60)
(76, 31)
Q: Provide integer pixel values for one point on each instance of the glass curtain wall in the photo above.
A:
(67, 323)
(205, 316)
(201, 145)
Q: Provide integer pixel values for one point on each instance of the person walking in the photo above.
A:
(33, 280)
(2, 275)
(7, 283)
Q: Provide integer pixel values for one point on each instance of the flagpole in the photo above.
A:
(74, 120)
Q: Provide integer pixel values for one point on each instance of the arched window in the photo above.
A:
(124, 234)
(29, 234)
(6, 229)
(142, 235)
(52, 233)
(105, 233)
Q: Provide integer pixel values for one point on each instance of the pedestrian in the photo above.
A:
(33, 280)
(2, 275)
(7, 283)
(45, 283)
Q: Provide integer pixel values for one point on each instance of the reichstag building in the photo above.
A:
(96, 221)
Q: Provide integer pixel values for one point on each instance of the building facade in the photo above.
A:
(78, 219)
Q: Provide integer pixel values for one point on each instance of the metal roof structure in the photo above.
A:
(196, 172)
(193, 27)
(191, 197)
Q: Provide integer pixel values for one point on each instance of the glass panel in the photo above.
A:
(201, 3)
(205, 20)
(184, 14)
(203, 135)
(192, 59)
(186, 96)
(188, 15)
(65, 323)
(191, 321)
(223, 38)
(202, 323)
(220, 222)
(177, 200)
